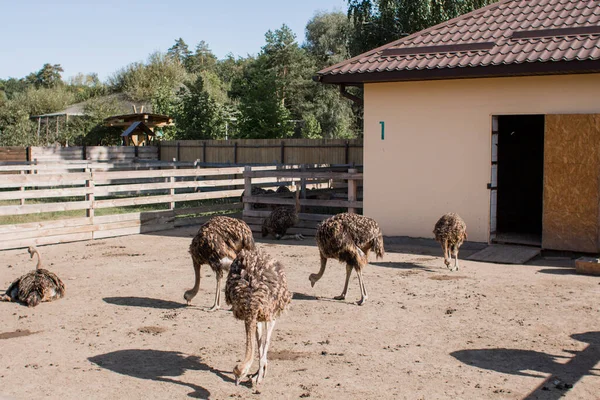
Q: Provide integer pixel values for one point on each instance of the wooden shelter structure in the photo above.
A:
(139, 127)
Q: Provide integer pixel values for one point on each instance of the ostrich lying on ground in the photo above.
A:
(348, 238)
(217, 243)
(35, 286)
(450, 231)
(257, 291)
(281, 219)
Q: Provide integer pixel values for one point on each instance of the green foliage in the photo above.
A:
(16, 129)
(11, 86)
(179, 52)
(263, 114)
(141, 81)
(47, 77)
(197, 115)
(86, 86)
(377, 22)
(203, 59)
(327, 38)
(91, 127)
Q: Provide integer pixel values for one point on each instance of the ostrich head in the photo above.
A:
(240, 372)
(188, 296)
(31, 250)
(313, 278)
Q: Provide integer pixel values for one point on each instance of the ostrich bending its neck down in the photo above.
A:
(281, 219)
(257, 291)
(35, 286)
(217, 243)
(451, 232)
(348, 238)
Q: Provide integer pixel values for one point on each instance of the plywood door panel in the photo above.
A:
(571, 190)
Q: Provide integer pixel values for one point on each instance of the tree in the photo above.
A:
(203, 59)
(377, 22)
(262, 113)
(47, 77)
(196, 114)
(179, 52)
(327, 38)
(139, 81)
(326, 114)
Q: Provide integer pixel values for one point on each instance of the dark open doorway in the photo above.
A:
(520, 179)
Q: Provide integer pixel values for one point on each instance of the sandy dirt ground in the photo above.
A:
(488, 331)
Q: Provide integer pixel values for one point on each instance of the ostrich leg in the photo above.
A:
(348, 273)
(363, 290)
(263, 362)
(217, 304)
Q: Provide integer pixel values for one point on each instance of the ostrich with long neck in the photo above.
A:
(36, 286)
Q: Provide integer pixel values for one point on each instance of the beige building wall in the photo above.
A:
(436, 154)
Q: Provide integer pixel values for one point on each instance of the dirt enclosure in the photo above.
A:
(488, 331)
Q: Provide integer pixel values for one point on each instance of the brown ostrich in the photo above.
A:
(281, 219)
(451, 232)
(348, 238)
(283, 189)
(217, 243)
(35, 286)
(257, 290)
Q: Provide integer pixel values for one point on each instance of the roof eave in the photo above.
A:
(490, 71)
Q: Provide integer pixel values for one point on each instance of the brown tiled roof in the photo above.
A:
(510, 37)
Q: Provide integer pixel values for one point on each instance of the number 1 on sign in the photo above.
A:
(382, 129)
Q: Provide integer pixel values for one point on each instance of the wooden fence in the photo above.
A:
(93, 200)
(93, 153)
(265, 151)
(328, 201)
(13, 153)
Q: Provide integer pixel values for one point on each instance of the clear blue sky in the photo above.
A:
(104, 36)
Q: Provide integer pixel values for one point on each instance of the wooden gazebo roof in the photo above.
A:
(150, 120)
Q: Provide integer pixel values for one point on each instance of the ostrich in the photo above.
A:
(281, 219)
(217, 243)
(35, 286)
(348, 238)
(257, 290)
(283, 189)
(450, 231)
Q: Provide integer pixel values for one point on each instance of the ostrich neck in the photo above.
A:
(39, 260)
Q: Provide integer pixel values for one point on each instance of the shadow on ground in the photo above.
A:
(403, 265)
(538, 364)
(158, 366)
(144, 302)
(302, 296)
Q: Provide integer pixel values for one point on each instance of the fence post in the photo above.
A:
(177, 149)
(352, 189)
(172, 189)
(204, 151)
(247, 188)
(235, 147)
(83, 152)
(302, 185)
(89, 184)
(22, 190)
(158, 150)
(282, 152)
(347, 152)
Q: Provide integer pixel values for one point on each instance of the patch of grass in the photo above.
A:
(57, 215)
